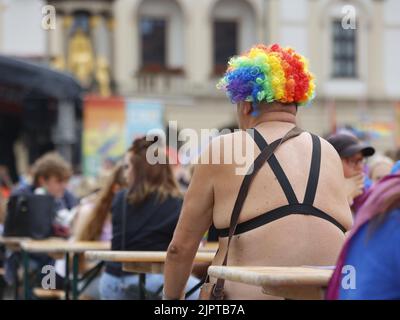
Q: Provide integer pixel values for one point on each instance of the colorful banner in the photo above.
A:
(378, 130)
(141, 117)
(103, 134)
(111, 124)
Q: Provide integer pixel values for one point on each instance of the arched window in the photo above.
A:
(234, 30)
(161, 36)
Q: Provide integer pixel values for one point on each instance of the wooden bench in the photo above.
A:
(143, 261)
(62, 248)
(48, 294)
(304, 282)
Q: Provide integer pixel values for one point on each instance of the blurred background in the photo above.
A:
(85, 77)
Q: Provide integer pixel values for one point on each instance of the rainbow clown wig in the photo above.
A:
(266, 74)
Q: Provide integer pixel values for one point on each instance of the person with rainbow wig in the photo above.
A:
(269, 74)
(291, 208)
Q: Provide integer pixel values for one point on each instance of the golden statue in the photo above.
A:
(103, 77)
(58, 63)
(80, 57)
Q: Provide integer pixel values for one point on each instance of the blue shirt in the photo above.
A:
(375, 256)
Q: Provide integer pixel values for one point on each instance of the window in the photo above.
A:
(81, 20)
(344, 51)
(153, 40)
(225, 43)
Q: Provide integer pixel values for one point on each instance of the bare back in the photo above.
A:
(295, 239)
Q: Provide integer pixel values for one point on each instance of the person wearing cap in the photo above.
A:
(295, 211)
(353, 153)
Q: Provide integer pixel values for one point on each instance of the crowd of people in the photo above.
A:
(304, 201)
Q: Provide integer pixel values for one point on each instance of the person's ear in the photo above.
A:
(247, 108)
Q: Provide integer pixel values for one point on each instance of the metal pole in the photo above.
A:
(25, 262)
(66, 279)
(142, 286)
(75, 275)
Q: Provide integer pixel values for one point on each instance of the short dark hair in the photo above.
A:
(51, 165)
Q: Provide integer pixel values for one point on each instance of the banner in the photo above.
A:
(141, 117)
(111, 124)
(103, 134)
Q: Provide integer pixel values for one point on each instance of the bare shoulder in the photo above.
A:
(236, 136)
(332, 183)
(329, 152)
(223, 148)
(331, 165)
(213, 153)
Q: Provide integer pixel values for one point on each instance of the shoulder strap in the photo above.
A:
(277, 170)
(315, 167)
(243, 191)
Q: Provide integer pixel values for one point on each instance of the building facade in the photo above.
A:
(175, 51)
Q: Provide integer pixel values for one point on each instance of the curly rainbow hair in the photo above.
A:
(268, 74)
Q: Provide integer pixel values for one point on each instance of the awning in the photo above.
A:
(37, 81)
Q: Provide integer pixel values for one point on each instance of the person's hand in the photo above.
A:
(61, 231)
(354, 187)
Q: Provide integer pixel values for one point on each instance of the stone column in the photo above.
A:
(264, 34)
(101, 37)
(314, 39)
(67, 23)
(198, 40)
(102, 49)
(110, 23)
(273, 18)
(2, 9)
(56, 38)
(64, 135)
(375, 50)
(260, 9)
(126, 43)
